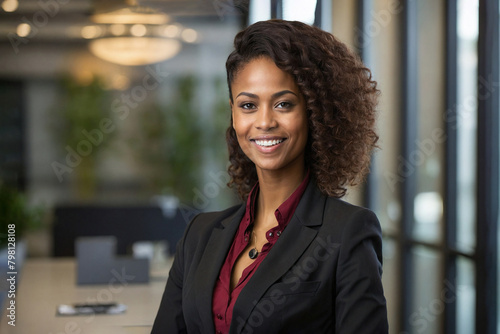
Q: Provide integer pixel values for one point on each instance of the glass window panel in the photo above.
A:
(427, 157)
(385, 50)
(391, 281)
(466, 117)
(299, 10)
(427, 305)
(344, 21)
(259, 10)
(465, 294)
(498, 238)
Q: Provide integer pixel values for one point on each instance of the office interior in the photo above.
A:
(113, 118)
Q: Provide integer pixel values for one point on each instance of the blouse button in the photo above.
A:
(219, 332)
(278, 233)
(219, 316)
(270, 234)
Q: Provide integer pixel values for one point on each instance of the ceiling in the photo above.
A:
(56, 33)
(63, 19)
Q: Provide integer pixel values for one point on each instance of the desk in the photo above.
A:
(46, 283)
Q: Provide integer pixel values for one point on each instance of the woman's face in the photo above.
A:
(269, 116)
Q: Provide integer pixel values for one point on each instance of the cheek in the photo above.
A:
(239, 126)
(302, 133)
(299, 127)
(240, 134)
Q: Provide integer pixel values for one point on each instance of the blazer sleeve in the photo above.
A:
(360, 302)
(170, 318)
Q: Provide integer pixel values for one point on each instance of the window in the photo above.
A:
(310, 12)
(435, 183)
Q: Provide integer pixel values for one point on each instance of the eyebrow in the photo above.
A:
(275, 95)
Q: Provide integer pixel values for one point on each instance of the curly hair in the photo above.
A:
(340, 96)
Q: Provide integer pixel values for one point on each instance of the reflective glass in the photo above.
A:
(498, 238)
(427, 157)
(259, 10)
(466, 116)
(382, 39)
(465, 294)
(428, 304)
(390, 280)
(299, 10)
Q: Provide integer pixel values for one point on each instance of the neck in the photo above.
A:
(275, 188)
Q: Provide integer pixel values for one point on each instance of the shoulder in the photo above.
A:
(341, 209)
(200, 229)
(333, 214)
(205, 222)
(358, 232)
(350, 220)
(213, 217)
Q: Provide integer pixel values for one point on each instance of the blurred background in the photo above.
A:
(113, 118)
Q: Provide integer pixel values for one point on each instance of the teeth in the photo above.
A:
(268, 142)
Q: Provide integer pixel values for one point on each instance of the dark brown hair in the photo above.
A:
(340, 97)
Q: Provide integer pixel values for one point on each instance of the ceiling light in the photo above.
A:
(10, 5)
(133, 15)
(117, 29)
(138, 30)
(23, 29)
(133, 51)
(189, 35)
(171, 31)
(89, 32)
(136, 36)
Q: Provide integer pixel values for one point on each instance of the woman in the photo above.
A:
(294, 258)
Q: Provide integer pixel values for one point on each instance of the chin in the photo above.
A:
(270, 167)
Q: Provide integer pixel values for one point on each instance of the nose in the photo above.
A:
(265, 119)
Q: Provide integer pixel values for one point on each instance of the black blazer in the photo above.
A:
(323, 275)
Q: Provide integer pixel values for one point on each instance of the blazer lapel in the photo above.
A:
(292, 243)
(211, 262)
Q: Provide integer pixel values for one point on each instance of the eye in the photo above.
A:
(247, 106)
(284, 105)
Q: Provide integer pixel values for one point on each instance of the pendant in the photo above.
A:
(253, 253)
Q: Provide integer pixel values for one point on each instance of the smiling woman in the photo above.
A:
(269, 118)
(339, 96)
(294, 258)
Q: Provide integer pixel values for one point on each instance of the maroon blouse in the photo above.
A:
(223, 299)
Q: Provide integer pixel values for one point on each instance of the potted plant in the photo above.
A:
(83, 109)
(174, 141)
(16, 216)
(169, 143)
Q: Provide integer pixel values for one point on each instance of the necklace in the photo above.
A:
(253, 253)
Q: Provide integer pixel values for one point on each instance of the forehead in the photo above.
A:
(262, 73)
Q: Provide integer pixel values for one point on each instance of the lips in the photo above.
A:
(268, 143)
